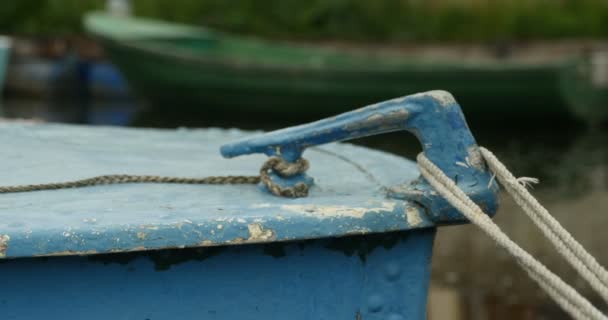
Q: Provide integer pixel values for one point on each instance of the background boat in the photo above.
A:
(175, 65)
(584, 85)
(5, 47)
(64, 78)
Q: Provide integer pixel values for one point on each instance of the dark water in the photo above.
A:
(570, 159)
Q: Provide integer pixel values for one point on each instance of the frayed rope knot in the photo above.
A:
(522, 181)
(284, 169)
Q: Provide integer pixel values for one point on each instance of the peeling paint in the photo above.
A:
(67, 253)
(141, 235)
(443, 97)
(357, 231)
(4, 239)
(134, 249)
(413, 217)
(238, 240)
(333, 211)
(207, 243)
(379, 120)
(257, 233)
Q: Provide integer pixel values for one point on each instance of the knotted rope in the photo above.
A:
(273, 164)
(562, 293)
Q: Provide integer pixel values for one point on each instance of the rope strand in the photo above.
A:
(273, 164)
(585, 264)
(562, 293)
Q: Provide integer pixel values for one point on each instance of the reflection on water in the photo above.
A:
(571, 162)
(118, 112)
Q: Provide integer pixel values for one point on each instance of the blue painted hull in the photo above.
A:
(351, 249)
(371, 277)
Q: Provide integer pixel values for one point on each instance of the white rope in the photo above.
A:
(566, 245)
(563, 294)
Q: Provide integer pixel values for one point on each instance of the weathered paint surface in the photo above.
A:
(433, 117)
(372, 277)
(134, 217)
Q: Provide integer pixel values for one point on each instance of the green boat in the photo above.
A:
(585, 86)
(5, 48)
(178, 66)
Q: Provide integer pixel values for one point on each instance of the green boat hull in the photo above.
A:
(178, 67)
(585, 87)
(5, 48)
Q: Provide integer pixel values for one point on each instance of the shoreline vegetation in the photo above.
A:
(385, 21)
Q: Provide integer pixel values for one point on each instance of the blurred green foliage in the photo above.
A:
(45, 17)
(365, 20)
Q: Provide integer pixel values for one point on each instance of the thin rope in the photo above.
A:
(585, 264)
(273, 164)
(563, 294)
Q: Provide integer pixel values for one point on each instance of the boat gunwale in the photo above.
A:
(259, 218)
(239, 64)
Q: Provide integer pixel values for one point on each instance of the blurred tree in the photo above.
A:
(44, 16)
(386, 20)
(378, 20)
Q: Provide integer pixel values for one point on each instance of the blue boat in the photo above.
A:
(5, 49)
(358, 246)
(67, 77)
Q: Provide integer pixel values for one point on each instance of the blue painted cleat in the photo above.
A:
(433, 117)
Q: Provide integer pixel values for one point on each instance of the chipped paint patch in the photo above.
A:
(238, 240)
(257, 233)
(357, 231)
(4, 239)
(380, 119)
(67, 253)
(413, 217)
(443, 97)
(325, 212)
(207, 243)
(141, 235)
